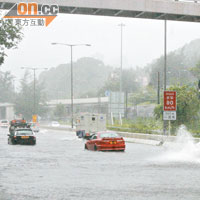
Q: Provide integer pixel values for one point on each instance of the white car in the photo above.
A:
(34, 127)
(4, 123)
(55, 124)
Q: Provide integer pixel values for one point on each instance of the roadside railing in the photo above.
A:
(188, 1)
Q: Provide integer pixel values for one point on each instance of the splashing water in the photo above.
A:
(183, 149)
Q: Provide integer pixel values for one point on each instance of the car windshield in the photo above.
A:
(4, 121)
(109, 135)
(24, 132)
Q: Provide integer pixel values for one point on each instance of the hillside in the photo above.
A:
(89, 76)
(179, 64)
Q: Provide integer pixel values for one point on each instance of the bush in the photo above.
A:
(140, 125)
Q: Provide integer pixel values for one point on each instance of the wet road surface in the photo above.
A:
(58, 168)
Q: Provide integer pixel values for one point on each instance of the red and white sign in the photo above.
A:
(169, 101)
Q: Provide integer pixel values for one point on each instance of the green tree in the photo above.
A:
(188, 105)
(24, 103)
(129, 82)
(196, 71)
(89, 75)
(10, 36)
(6, 87)
(177, 69)
(145, 95)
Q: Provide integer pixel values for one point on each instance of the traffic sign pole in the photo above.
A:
(169, 107)
(165, 68)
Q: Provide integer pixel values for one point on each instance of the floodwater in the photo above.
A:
(58, 168)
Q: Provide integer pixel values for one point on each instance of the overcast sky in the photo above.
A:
(142, 41)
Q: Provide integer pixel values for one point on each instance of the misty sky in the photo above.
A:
(142, 41)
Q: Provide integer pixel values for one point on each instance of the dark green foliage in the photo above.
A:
(140, 125)
(196, 71)
(182, 67)
(188, 106)
(6, 88)
(10, 36)
(145, 95)
(25, 99)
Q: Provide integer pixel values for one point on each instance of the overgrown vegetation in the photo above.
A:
(24, 102)
(188, 106)
(140, 125)
(10, 36)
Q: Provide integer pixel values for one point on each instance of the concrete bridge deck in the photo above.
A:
(182, 10)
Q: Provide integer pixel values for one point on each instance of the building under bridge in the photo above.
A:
(95, 105)
(7, 111)
(91, 105)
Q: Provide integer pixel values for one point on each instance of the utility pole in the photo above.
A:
(126, 111)
(158, 92)
(165, 68)
(34, 111)
(34, 85)
(72, 93)
(121, 63)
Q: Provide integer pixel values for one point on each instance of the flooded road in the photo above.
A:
(58, 168)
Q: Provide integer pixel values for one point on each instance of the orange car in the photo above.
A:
(105, 141)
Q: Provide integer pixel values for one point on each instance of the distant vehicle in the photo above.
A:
(22, 136)
(4, 123)
(87, 123)
(105, 141)
(34, 127)
(55, 124)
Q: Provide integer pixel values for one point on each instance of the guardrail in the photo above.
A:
(132, 130)
(139, 136)
(60, 128)
(188, 1)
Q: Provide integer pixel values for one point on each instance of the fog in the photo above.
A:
(142, 41)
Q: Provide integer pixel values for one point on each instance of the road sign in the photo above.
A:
(169, 101)
(116, 104)
(107, 93)
(169, 115)
(34, 118)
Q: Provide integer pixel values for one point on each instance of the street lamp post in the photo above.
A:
(72, 103)
(121, 63)
(165, 68)
(34, 84)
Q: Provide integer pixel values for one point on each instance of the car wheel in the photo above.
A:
(86, 147)
(95, 147)
(13, 142)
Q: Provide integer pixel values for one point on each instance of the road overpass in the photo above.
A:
(83, 101)
(95, 105)
(177, 10)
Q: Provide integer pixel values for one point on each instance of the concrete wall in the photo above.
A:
(7, 111)
(10, 114)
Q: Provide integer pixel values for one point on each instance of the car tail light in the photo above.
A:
(105, 141)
